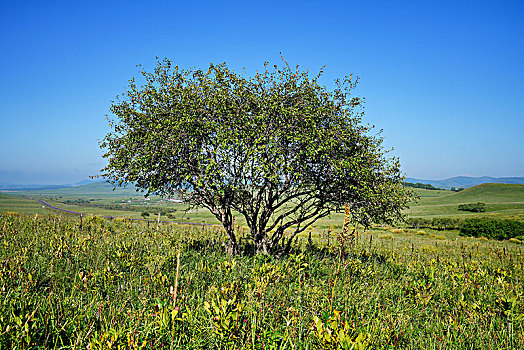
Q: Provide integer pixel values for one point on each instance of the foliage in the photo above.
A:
(473, 207)
(336, 333)
(278, 148)
(492, 228)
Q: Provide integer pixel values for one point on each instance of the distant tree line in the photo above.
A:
(439, 223)
(431, 187)
(421, 185)
(457, 189)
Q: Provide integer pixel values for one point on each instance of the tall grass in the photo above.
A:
(116, 284)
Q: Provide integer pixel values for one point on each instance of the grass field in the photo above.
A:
(107, 284)
(502, 200)
(116, 284)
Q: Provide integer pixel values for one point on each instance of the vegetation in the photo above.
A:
(502, 201)
(117, 284)
(278, 148)
(492, 228)
(421, 185)
(473, 207)
(437, 223)
(457, 189)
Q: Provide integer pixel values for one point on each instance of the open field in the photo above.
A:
(116, 284)
(502, 201)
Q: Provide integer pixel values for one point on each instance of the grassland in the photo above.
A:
(502, 200)
(102, 284)
(117, 284)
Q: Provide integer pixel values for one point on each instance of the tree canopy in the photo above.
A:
(277, 148)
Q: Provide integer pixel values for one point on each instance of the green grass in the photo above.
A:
(9, 203)
(502, 200)
(94, 190)
(111, 284)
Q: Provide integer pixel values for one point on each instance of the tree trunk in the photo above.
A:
(232, 245)
(262, 243)
(228, 223)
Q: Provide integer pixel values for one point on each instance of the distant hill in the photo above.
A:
(88, 182)
(467, 181)
(96, 189)
(488, 193)
(93, 189)
(21, 187)
(505, 200)
(11, 187)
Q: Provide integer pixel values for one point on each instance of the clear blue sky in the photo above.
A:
(443, 79)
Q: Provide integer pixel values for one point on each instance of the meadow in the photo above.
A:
(107, 284)
(502, 201)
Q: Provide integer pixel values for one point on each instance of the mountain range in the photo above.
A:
(456, 182)
(467, 181)
(31, 187)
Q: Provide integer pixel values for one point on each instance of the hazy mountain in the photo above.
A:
(88, 181)
(467, 181)
(15, 187)
(32, 187)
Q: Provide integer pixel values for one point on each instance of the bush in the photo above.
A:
(473, 207)
(445, 223)
(492, 228)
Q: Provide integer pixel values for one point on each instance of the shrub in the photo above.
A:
(492, 228)
(473, 207)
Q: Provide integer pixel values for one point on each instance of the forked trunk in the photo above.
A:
(232, 245)
(262, 243)
(228, 223)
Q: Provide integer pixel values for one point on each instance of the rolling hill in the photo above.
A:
(500, 199)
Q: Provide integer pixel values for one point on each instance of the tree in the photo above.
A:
(277, 148)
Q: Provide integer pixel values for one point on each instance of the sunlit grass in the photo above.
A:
(111, 283)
